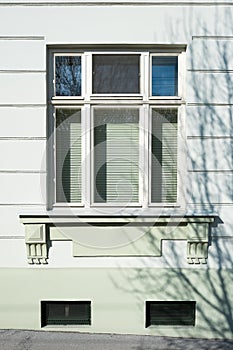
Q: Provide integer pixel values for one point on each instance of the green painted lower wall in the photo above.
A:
(118, 298)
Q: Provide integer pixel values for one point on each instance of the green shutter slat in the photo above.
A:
(68, 155)
(164, 156)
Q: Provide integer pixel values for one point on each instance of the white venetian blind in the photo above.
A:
(68, 155)
(164, 156)
(116, 155)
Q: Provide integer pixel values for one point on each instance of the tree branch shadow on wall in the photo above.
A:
(209, 186)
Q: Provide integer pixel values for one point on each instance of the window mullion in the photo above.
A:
(88, 75)
(145, 152)
(87, 155)
(145, 75)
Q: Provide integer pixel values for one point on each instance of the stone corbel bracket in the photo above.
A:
(197, 244)
(144, 234)
(197, 251)
(36, 243)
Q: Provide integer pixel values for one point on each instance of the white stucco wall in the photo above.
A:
(26, 28)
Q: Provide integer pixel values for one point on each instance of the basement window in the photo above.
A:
(170, 313)
(55, 313)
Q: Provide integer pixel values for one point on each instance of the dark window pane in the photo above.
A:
(68, 75)
(170, 313)
(164, 76)
(65, 313)
(114, 74)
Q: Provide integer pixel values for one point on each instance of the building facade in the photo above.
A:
(116, 168)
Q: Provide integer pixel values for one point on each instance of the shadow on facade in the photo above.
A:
(209, 187)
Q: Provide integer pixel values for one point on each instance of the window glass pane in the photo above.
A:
(68, 155)
(164, 76)
(113, 74)
(68, 75)
(116, 155)
(164, 156)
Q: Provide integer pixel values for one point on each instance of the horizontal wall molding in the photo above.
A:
(29, 37)
(22, 172)
(209, 137)
(23, 138)
(4, 204)
(21, 71)
(210, 204)
(118, 3)
(211, 171)
(209, 71)
(12, 237)
(206, 104)
(22, 105)
(213, 37)
(87, 219)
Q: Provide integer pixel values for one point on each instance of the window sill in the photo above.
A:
(117, 205)
(153, 327)
(65, 327)
(166, 100)
(164, 205)
(68, 205)
(61, 100)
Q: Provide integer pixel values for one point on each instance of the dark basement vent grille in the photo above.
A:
(170, 313)
(65, 313)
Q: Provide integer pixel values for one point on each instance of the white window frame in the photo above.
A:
(88, 101)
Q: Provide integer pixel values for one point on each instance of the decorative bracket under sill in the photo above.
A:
(36, 244)
(145, 236)
(197, 252)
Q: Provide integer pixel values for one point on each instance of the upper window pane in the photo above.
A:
(116, 74)
(68, 75)
(164, 76)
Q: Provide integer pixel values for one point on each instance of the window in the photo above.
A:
(170, 313)
(65, 313)
(116, 129)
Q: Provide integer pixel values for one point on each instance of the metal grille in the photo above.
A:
(65, 313)
(170, 313)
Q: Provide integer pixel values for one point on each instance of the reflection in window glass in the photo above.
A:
(68, 155)
(68, 75)
(114, 74)
(164, 76)
(164, 156)
(116, 155)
